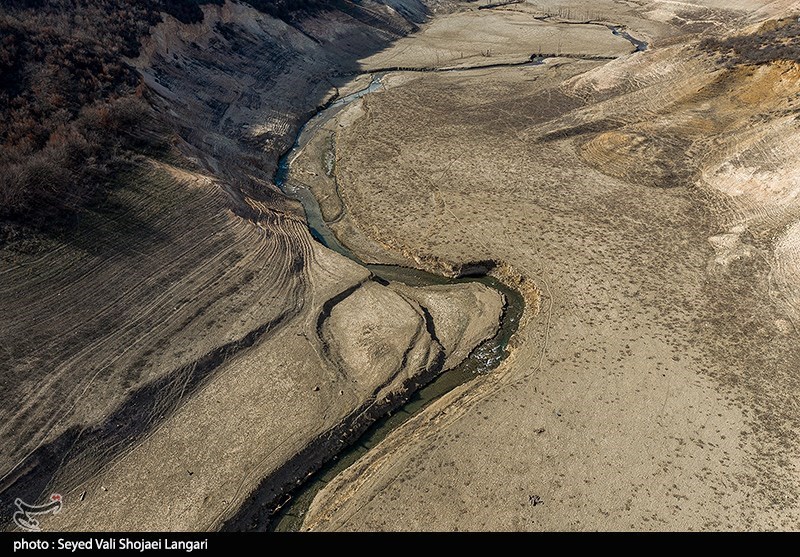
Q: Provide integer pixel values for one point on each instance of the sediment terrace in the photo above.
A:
(184, 342)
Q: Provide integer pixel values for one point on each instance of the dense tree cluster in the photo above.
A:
(62, 71)
(775, 40)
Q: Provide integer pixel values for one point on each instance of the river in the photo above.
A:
(482, 359)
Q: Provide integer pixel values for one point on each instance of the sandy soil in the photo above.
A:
(478, 38)
(168, 356)
(237, 385)
(651, 199)
(188, 347)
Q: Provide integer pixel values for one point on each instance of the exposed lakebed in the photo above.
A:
(485, 357)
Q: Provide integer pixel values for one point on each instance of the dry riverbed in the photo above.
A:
(655, 389)
(188, 353)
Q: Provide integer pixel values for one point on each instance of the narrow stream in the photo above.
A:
(641, 46)
(316, 224)
(483, 358)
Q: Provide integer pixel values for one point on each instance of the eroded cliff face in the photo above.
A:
(239, 83)
(174, 350)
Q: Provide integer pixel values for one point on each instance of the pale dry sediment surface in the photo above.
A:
(163, 358)
(190, 342)
(239, 84)
(656, 389)
(111, 327)
(231, 387)
(478, 38)
(262, 409)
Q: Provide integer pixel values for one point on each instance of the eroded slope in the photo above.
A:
(163, 358)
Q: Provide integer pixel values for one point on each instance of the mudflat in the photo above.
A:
(649, 200)
(186, 346)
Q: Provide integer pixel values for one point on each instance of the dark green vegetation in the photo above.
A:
(775, 40)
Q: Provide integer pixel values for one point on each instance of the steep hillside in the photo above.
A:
(67, 85)
(173, 337)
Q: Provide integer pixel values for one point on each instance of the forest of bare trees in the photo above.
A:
(70, 104)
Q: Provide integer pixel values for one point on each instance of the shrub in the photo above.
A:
(775, 40)
(67, 97)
